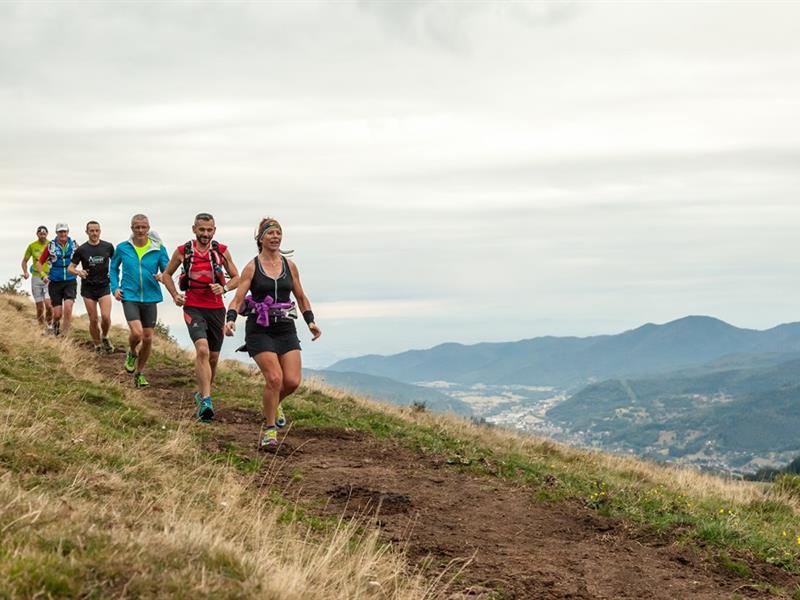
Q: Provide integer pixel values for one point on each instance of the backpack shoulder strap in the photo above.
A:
(217, 257)
(188, 251)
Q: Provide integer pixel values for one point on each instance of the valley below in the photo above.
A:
(634, 429)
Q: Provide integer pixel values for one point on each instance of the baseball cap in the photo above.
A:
(62, 227)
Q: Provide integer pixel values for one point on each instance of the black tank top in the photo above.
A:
(263, 285)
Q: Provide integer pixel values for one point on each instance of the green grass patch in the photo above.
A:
(788, 485)
(239, 458)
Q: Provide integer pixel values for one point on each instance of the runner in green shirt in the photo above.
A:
(37, 273)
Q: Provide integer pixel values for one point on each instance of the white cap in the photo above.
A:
(61, 227)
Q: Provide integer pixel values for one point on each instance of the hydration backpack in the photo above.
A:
(217, 263)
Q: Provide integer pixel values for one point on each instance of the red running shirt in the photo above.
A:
(201, 276)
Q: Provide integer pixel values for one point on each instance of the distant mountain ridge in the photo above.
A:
(570, 362)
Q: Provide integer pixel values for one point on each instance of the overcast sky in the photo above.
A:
(445, 171)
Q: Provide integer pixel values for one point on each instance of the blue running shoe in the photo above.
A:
(205, 412)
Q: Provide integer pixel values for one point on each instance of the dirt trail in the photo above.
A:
(512, 544)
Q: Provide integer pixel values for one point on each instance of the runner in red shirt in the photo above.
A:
(203, 279)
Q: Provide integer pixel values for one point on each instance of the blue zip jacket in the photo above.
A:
(59, 259)
(138, 277)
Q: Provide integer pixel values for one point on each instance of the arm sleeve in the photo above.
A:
(28, 253)
(113, 271)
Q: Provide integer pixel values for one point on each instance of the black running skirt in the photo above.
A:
(278, 338)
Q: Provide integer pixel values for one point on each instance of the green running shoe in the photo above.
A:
(269, 441)
(280, 417)
(130, 362)
(205, 411)
(139, 381)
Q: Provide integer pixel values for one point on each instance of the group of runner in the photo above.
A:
(133, 273)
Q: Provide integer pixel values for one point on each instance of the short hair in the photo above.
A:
(204, 216)
(92, 223)
(139, 217)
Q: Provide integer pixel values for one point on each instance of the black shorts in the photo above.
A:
(278, 338)
(146, 312)
(62, 290)
(205, 324)
(92, 291)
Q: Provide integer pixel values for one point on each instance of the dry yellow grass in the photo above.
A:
(109, 500)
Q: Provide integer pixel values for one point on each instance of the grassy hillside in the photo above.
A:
(103, 494)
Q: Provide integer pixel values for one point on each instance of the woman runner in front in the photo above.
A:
(270, 334)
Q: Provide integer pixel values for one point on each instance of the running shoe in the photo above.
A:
(269, 441)
(205, 411)
(130, 362)
(98, 349)
(280, 417)
(139, 381)
(108, 347)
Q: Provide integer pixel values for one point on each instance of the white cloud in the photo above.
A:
(596, 162)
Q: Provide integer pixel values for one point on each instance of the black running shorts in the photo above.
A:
(205, 324)
(275, 338)
(62, 290)
(94, 292)
(146, 312)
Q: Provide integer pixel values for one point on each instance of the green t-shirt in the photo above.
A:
(34, 251)
(141, 251)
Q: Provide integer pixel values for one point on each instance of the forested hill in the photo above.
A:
(742, 407)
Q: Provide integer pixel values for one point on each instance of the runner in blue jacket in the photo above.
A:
(142, 259)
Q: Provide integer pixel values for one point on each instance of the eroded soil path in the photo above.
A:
(506, 542)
